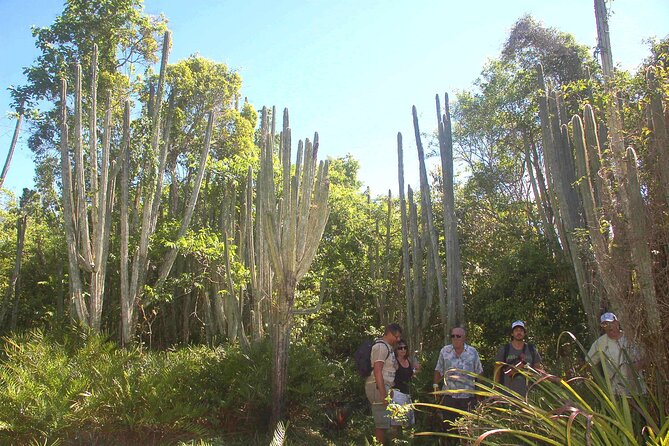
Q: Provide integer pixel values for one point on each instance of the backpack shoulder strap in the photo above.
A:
(381, 341)
(533, 352)
(507, 347)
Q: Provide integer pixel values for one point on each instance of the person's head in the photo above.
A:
(392, 333)
(610, 324)
(458, 337)
(518, 330)
(402, 349)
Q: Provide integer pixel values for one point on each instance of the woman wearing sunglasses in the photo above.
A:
(401, 390)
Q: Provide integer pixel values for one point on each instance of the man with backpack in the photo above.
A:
(381, 379)
(515, 356)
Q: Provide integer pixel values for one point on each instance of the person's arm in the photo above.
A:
(436, 383)
(499, 359)
(538, 366)
(593, 355)
(478, 369)
(437, 378)
(378, 377)
(536, 361)
(415, 364)
(439, 371)
(497, 375)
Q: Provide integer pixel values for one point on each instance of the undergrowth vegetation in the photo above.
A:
(83, 389)
(582, 410)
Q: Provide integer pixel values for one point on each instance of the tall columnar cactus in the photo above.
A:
(624, 264)
(455, 298)
(133, 274)
(408, 296)
(561, 177)
(422, 301)
(432, 244)
(660, 139)
(148, 198)
(87, 206)
(626, 183)
(293, 226)
(587, 152)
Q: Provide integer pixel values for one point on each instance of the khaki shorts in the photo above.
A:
(379, 408)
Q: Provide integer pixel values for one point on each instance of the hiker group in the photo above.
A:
(389, 368)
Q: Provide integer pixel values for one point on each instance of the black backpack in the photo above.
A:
(507, 348)
(363, 357)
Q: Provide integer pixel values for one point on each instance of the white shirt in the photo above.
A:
(617, 357)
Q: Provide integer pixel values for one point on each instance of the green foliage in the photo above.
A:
(511, 269)
(196, 86)
(564, 60)
(64, 385)
(578, 411)
(523, 282)
(346, 260)
(498, 120)
(41, 280)
(125, 36)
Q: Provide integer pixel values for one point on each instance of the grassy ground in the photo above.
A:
(357, 430)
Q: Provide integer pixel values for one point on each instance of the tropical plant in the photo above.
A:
(72, 385)
(558, 411)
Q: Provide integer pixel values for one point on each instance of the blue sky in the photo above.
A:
(350, 70)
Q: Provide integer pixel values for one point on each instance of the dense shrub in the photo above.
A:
(85, 389)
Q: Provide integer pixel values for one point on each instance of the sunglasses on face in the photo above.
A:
(403, 347)
(456, 336)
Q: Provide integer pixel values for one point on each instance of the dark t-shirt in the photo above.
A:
(516, 381)
(402, 377)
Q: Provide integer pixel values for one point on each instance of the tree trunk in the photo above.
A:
(280, 351)
(12, 292)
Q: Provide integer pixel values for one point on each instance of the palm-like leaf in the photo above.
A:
(279, 436)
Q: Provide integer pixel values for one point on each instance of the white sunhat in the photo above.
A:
(608, 317)
(518, 324)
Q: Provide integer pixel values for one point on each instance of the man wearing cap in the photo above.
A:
(514, 356)
(621, 359)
